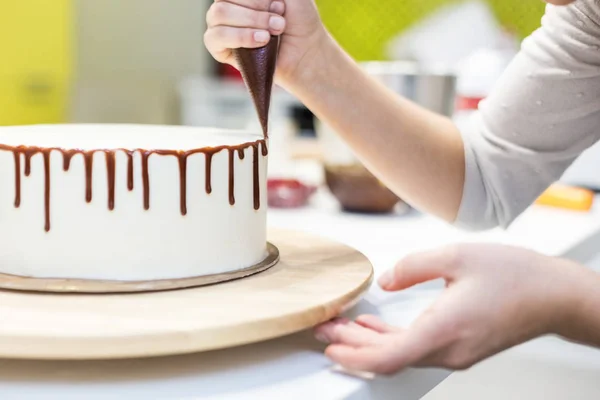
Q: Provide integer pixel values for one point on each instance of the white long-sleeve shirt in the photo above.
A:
(543, 113)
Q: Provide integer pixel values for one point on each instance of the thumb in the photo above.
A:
(420, 268)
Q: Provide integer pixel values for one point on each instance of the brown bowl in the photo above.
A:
(358, 190)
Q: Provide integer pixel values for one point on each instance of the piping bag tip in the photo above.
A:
(258, 69)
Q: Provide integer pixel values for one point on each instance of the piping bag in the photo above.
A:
(258, 69)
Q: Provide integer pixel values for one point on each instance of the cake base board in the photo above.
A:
(315, 280)
(52, 285)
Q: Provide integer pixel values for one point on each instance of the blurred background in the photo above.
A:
(138, 60)
(143, 61)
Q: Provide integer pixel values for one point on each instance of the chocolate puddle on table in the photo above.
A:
(28, 152)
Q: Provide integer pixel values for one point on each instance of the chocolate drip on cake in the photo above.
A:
(110, 171)
(129, 170)
(265, 149)
(255, 173)
(88, 159)
(28, 154)
(231, 177)
(46, 154)
(182, 159)
(88, 155)
(258, 69)
(208, 178)
(67, 157)
(17, 157)
(146, 179)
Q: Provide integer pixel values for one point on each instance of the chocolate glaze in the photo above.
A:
(28, 154)
(17, 157)
(231, 177)
(88, 159)
(255, 175)
(265, 150)
(145, 178)
(208, 169)
(88, 155)
(46, 155)
(67, 156)
(129, 170)
(110, 173)
(258, 69)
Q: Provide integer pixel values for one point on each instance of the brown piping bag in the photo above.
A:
(258, 69)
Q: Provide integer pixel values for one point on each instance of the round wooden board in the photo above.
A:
(48, 285)
(315, 280)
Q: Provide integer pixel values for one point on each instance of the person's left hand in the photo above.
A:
(496, 297)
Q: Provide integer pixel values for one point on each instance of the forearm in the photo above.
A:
(416, 153)
(582, 320)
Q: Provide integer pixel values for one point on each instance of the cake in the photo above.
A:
(131, 202)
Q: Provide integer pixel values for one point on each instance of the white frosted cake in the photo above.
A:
(129, 202)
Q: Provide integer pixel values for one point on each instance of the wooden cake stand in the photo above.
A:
(314, 281)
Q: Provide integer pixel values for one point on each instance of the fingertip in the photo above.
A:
(386, 280)
(321, 337)
(277, 7)
(415, 269)
(337, 352)
(261, 37)
(340, 321)
(367, 319)
(276, 24)
(323, 332)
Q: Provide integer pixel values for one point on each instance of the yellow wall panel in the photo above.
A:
(35, 60)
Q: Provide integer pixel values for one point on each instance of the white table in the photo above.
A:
(294, 367)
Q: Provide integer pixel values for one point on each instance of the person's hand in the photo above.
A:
(496, 297)
(236, 24)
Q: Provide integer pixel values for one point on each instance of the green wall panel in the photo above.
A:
(363, 27)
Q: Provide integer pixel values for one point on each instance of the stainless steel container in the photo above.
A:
(430, 87)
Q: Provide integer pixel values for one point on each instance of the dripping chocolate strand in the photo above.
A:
(130, 170)
(28, 154)
(146, 178)
(264, 148)
(17, 156)
(208, 172)
(88, 159)
(67, 156)
(231, 177)
(46, 154)
(182, 158)
(241, 153)
(256, 177)
(110, 172)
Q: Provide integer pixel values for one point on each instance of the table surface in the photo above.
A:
(294, 367)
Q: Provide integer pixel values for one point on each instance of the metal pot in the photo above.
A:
(431, 87)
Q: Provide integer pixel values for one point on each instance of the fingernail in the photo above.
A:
(321, 337)
(261, 36)
(277, 7)
(276, 22)
(386, 279)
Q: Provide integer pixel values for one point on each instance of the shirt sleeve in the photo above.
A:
(543, 113)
